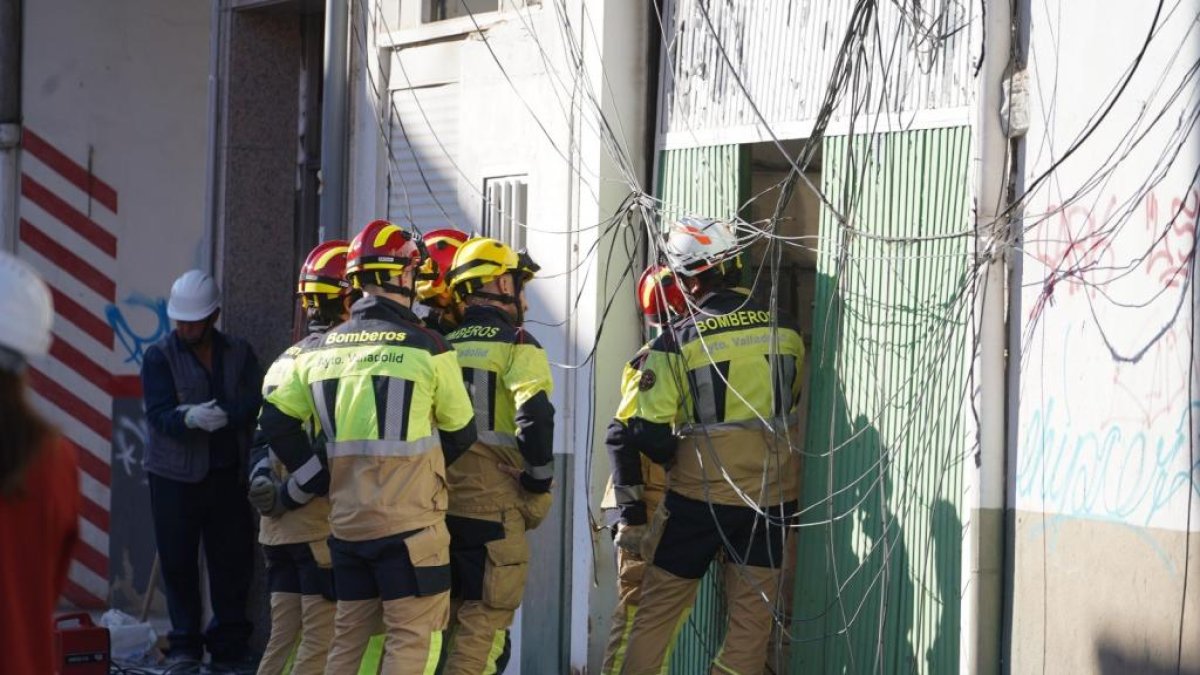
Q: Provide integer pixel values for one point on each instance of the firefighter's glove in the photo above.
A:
(629, 538)
(264, 496)
(206, 416)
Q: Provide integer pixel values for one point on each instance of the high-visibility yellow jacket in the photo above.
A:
(389, 396)
(308, 520)
(636, 484)
(727, 380)
(508, 375)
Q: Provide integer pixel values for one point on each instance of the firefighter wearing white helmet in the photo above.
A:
(202, 391)
(715, 401)
(39, 482)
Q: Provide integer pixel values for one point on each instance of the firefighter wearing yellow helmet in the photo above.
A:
(501, 487)
(716, 402)
(389, 397)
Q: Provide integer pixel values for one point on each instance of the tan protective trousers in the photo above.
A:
(630, 570)
(307, 619)
(479, 628)
(413, 627)
(667, 602)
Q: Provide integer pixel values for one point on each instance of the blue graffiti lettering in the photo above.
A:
(1113, 474)
(134, 342)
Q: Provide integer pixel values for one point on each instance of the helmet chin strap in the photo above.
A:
(519, 306)
(409, 291)
(512, 299)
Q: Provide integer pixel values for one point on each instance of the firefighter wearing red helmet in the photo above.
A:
(636, 485)
(445, 310)
(295, 520)
(388, 395)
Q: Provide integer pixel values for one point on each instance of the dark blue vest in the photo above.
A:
(186, 459)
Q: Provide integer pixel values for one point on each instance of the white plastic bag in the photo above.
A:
(132, 641)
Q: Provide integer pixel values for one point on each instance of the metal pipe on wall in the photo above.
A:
(10, 119)
(208, 243)
(333, 121)
(983, 545)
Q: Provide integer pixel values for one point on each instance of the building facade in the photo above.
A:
(983, 224)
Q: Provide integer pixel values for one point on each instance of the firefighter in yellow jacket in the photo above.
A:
(636, 485)
(295, 522)
(716, 401)
(389, 396)
(501, 487)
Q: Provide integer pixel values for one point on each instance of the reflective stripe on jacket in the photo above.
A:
(508, 375)
(636, 484)
(388, 395)
(727, 379)
(309, 522)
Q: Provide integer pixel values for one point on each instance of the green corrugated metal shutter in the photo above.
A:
(709, 181)
(878, 582)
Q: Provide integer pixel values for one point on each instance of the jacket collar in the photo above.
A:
(715, 297)
(378, 307)
(488, 313)
(218, 340)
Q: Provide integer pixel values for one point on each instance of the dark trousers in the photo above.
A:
(291, 568)
(216, 512)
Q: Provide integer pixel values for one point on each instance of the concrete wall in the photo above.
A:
(1104, 476)
(528, 127)
(256, 243)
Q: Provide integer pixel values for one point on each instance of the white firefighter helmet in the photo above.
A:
(697, 244)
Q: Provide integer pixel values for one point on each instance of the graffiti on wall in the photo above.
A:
(137, 322)
(1077, 243)
(132, 341)
(1117, 472)
(1106, 416)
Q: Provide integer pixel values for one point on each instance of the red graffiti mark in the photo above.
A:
(1077, 244)
(1177, 246)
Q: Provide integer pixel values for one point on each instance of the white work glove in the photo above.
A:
(264, 496)
(207, 416)
(630, 537)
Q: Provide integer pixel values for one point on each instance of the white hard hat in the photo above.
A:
(194, 297)
(27, 308)
(697, 244)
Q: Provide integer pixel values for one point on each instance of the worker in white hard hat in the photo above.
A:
(202, 392)
(39, 483)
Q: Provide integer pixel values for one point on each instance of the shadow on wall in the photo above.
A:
(1113, 659)
(865, 601)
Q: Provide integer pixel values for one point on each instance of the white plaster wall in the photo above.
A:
(124, 81)
(1105, 470)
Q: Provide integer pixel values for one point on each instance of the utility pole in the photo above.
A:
(10, 119)
(333, 121)
(985, 476)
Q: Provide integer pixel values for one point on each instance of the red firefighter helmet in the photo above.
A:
(659, 294)
(324, 270)
(431, 279)
(382, 247)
